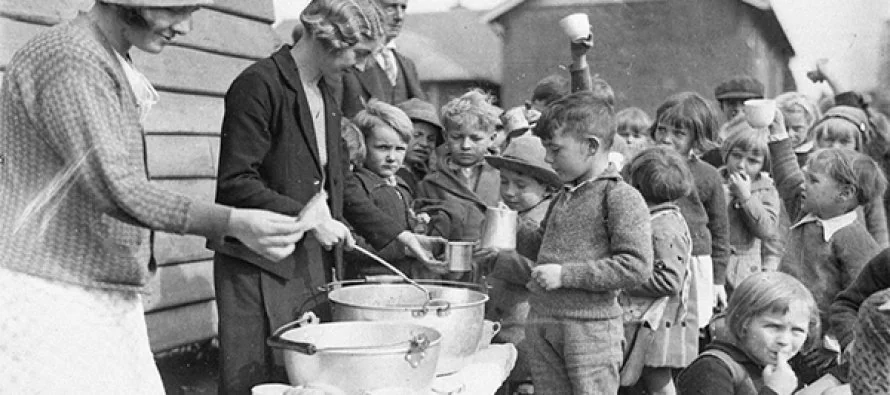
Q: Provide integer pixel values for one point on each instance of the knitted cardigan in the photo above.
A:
(826, 268)
(753, 224)
(601, 235)
(69, 120)
(705, 213)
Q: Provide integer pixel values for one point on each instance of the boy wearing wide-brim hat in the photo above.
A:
(527, 183)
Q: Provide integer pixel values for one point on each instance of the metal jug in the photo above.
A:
(499, 228)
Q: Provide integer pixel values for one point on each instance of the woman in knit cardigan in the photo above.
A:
(76, 205)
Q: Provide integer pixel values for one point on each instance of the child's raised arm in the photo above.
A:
(786, 172)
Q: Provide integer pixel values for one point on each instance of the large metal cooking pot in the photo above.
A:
(359, 357)
(456, 310)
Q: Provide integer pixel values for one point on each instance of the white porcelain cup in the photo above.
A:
(760, 112)
(576, 26)
(269, 389)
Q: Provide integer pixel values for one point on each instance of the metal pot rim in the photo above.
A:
(337, 285)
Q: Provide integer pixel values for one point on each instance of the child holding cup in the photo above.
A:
(527, 186)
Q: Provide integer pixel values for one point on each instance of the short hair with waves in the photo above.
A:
(849, 167)
(472, 109)
(660, 174)
(582, 114)
(377, 114)
(340, 24)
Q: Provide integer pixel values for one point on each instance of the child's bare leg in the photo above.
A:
(658, 381)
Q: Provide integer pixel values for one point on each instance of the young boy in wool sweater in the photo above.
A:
(595, 240)
(828, 244)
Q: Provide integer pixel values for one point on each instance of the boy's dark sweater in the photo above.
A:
(708, 375)
(844, 312)
(598, 257)
(706, 215)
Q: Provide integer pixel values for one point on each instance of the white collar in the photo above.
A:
(829, 226)
(390, 46)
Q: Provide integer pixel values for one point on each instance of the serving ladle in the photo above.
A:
(429, 295)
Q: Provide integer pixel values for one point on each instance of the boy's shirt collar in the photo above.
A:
(611, 172)
(829, 226)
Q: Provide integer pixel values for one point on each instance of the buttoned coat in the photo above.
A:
(269, 160)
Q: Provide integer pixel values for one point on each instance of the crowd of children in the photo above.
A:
(663, 255)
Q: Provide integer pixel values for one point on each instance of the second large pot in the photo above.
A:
(456, 310)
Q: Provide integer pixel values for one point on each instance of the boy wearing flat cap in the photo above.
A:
(427, 135)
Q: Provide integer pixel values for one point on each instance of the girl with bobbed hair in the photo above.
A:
(800, 114)
(771, 316)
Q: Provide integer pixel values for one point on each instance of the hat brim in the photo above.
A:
(161, 3)
(549, 177)
(739, 96)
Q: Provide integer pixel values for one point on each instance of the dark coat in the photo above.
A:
(357, 85)
(269, 160)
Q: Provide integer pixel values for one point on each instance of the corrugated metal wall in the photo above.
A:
(182, 137)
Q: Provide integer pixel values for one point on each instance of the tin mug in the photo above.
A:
(459, 255)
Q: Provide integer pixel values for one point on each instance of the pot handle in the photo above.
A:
(442, 307)
(276, 341)
(417, 350)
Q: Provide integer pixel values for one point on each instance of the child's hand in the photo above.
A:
(779, 377)
(820, 359)
(581, 46)
(548, 276)
(740, 186)
(777, 128)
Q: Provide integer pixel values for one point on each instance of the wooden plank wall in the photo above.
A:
(182, 136)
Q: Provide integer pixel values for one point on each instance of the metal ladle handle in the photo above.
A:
(395, 270)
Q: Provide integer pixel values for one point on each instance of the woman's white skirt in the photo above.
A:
(60, 338)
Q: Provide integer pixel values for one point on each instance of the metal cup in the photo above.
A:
(499, 229)
(459, 255)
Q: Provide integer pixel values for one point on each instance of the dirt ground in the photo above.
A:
(189, 370)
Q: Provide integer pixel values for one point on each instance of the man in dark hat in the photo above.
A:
(732, 94)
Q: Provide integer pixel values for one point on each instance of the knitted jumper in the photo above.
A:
(826, 268)
(705, 212)
(601, 235)
(870, 359)
(68, 118)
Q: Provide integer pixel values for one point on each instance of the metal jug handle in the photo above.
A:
(276, 341)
